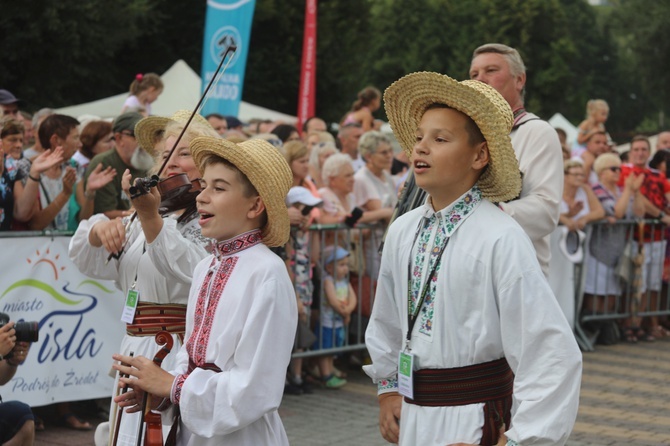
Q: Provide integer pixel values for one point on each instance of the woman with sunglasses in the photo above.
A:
(602, 287)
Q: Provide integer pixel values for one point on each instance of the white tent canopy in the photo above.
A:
(558, 121)
(182, 92)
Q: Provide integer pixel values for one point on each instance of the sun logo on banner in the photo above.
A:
(47, 268)
(47, 261)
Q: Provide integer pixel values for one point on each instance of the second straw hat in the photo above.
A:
(149, 129)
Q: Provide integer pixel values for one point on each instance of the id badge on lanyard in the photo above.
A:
(406, 358)
(405, 374)
(130, 306)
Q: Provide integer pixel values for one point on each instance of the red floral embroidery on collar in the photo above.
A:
(237, 244)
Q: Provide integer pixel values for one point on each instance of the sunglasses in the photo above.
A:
(615, 168)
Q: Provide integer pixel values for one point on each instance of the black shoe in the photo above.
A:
(293, 389)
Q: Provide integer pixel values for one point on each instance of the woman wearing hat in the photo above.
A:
(157, 256)
(461, 295)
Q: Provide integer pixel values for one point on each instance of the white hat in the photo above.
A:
(571, 244)
(299, 194)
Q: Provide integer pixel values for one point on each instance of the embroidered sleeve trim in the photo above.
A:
(387, 385)
(175, 392)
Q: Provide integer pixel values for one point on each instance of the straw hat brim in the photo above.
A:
(147, 129)
(265, 168)
(407, 99)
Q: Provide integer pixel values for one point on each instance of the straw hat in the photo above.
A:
(407, 99)
(267, 170)
(148, 129)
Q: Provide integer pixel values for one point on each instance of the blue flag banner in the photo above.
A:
(228, 22)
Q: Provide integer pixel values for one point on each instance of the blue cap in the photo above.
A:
(334, 253)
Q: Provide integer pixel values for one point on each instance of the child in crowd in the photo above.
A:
(300, 249)
(241, 314)
(144, 90)
(336, 310)
(369, 100)
(461, 301)
(597, 112)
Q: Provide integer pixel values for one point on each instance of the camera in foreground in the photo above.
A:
(25, 331)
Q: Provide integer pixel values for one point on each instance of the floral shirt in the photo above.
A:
(433, 232)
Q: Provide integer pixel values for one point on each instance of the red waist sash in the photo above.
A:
(490, 383)
(151, 318)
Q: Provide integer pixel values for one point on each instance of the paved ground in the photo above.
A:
(624, 401)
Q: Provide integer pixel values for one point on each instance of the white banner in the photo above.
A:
(78, 317)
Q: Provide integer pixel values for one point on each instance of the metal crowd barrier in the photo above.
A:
(609, 287)
(45, 233)
(362, 243)
(368, 237)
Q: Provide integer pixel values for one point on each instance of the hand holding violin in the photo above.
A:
(146, 206)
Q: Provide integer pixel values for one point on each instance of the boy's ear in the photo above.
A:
(257, 208)
(481, 156)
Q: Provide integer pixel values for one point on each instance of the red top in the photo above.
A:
(654, 188)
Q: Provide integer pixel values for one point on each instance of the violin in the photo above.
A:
(153, 435)
(177, 193)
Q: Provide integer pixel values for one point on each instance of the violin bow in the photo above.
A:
(230, 49)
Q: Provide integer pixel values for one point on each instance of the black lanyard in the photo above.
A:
(412, 317)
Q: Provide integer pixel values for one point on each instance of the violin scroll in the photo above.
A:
(153, 435)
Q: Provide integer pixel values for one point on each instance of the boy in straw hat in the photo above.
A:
(242, 313)
(159, 254)
(461, 300)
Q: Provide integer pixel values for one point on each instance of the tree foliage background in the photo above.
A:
(70, 51)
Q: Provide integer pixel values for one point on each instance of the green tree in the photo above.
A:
(273, 66)
(568, 57)
(641, 29)
(55, 53)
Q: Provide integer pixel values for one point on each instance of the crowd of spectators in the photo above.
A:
(607, 196)
(58, 171)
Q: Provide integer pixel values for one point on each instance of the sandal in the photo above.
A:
(628, 335)
(643, 335)
(658, 332)
(71, 421)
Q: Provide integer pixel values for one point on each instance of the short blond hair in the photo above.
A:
(606, 160)
(569, 164)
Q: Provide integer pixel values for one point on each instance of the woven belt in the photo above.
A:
(152, 318)
(490, 383)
